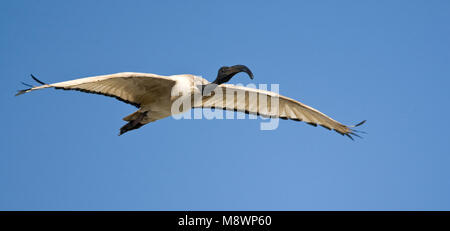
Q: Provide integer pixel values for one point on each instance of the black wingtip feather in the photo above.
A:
(360, 123)
(37, 80)
(26, 84)
(354, 134)
(358, 131)
(349, 136)
(20, 92)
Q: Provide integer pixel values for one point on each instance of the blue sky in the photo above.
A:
(384, 61)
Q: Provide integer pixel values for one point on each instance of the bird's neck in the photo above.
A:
(208, 88)
(217, 81)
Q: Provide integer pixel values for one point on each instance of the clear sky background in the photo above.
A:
(384, 61)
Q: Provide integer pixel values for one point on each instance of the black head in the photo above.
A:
(226, 73)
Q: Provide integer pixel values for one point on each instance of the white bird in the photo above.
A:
(155, 95)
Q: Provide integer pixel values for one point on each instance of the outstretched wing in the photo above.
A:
(129, 87)
(259, 102)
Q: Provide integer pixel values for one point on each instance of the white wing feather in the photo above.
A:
(129, 87)
(287, 107)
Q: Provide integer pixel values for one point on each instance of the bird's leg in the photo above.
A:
(134, 124)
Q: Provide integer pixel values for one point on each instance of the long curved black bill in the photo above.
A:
(240, 68)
